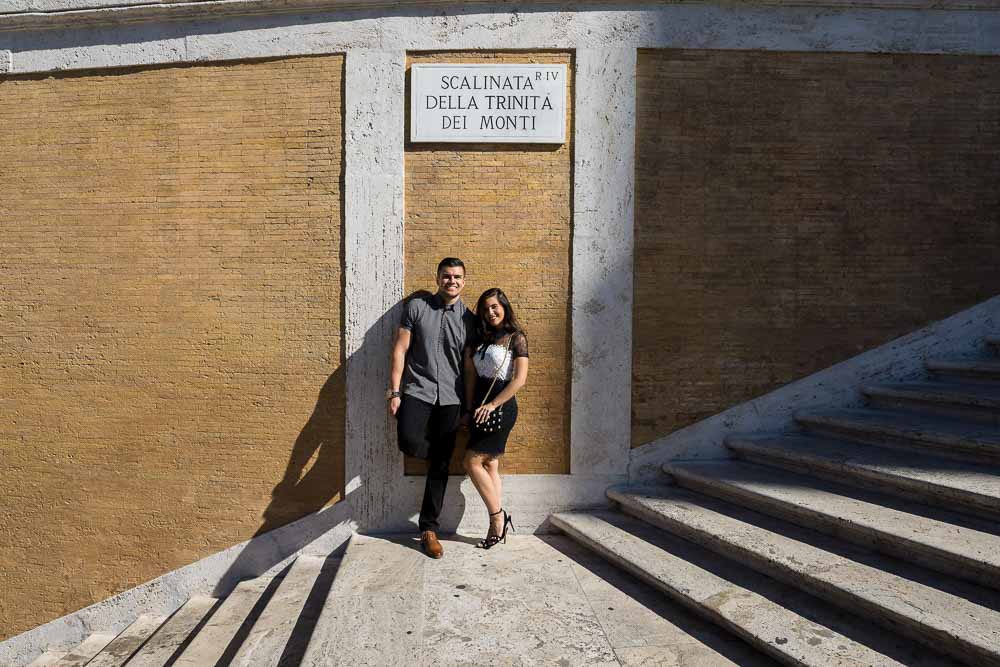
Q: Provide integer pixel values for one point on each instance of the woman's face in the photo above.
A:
(493, 312)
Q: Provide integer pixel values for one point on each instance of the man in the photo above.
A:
(426, 389)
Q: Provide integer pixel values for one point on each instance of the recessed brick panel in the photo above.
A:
(170, 320)
(505, 209)
(796, 209)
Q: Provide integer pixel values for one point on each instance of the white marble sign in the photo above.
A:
(488, 103)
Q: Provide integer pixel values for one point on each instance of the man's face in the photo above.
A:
(451, 280)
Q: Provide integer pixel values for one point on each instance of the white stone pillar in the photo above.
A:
(603, 197)
(373, 248)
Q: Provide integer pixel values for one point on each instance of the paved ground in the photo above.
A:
(537, 600)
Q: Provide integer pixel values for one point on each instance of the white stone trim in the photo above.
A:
(373, 245)
(961, 335)
(481, 27)
(530, 499)
(49, 14)
(603, 223)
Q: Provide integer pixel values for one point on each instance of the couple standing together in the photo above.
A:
(453, 369)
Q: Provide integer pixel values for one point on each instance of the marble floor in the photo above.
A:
(536, 600)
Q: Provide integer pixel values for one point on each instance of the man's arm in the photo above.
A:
(469, 373)
(398, 360)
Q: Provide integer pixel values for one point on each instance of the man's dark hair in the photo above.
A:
(450, 262)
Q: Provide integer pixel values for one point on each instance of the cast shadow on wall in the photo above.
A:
(315, 474)
(313, 479)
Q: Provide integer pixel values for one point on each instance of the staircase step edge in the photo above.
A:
(869, 476)
(987, 368)
(888, 433)
(870, 535)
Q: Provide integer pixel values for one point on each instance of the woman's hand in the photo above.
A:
(483, 412)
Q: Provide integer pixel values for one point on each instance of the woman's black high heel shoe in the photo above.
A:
(492, 539)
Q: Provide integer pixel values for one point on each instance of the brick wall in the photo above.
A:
(505, 209)
(170, 320)
(793, 210)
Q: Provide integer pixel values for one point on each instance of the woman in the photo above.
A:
(496, 366)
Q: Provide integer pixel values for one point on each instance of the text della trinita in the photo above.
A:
(493, 102)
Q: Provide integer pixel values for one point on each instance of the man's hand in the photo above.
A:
(394, 405)
(465, 421)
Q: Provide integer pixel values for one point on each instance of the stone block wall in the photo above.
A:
(505, 210)
(171, 302)
(796, 209)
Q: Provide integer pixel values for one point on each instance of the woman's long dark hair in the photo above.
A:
(510, 324)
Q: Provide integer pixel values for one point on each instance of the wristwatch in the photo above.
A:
(390, 394)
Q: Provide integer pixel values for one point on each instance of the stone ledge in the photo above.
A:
(45, 14)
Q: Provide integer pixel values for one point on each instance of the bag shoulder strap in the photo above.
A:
(496, 372)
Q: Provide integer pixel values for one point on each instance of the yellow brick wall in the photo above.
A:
(505, 210)
(170, 320)
(796, 209)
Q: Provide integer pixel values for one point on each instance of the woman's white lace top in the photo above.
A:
(486, 365)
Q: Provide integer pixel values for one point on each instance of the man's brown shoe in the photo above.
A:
(429, 543)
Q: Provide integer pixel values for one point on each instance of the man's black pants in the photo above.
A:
(428, 431)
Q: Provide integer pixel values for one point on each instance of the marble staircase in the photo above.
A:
(535, 599)
(867, 537)
(263, 621)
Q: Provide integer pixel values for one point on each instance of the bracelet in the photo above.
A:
(390, 394)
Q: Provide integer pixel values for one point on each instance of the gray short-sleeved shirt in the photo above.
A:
(433, 370)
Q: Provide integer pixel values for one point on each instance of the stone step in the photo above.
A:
(950, 399)
(971, 487)
(172, 636)
(642, 625)
(953, 438)
(128, 642)
(951, 543)
(266, 642)
(236, 613)
(792, 626)
(85, 651)
(976, 369)
(47, 659)
(879, 588)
